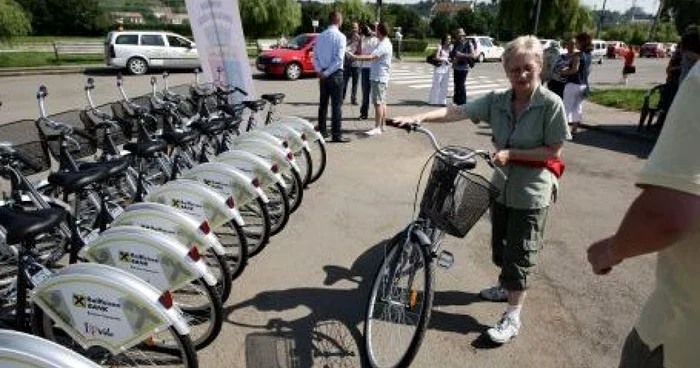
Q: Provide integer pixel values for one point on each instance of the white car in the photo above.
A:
(486, 49)
(138, 51)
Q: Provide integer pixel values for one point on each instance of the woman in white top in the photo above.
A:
(441, 75)
(369, 42)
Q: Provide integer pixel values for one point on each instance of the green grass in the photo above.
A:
(29, 59)
(34, 40)
(629, 99)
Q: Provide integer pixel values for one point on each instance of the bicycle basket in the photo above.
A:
(51, 137)
(90, 121)
(25, 139)
(455, 199)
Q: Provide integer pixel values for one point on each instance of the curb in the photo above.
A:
(619, 133)
(13, 72)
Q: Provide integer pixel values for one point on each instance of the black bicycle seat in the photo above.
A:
(113, 167)
(74, 181)
(235, 111)
(255, 105)
(211, 126)
(23, 225)
(273, 98)
(180, 138)
(145, 149)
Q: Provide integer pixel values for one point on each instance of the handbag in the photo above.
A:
(430, 59)
(556, 165)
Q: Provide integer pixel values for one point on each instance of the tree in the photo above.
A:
(481, 20)
(262, 18)
(66, 17)
(13, 21)
(442, 24)
(557, 17)
(411, 23)
(683, 12)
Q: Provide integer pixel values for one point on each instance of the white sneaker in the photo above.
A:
(375, 131)
(506, 329)
(494, 294)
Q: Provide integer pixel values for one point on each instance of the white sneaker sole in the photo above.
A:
(501, 341)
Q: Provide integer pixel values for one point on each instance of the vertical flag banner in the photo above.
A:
(218, 33)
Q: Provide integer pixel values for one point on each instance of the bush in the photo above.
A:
(411, 45)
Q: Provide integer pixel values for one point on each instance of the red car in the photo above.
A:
(292, 60)
(653, 49)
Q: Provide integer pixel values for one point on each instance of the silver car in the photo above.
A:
(139, 51)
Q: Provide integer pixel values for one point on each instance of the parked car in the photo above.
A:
(653, 49)
(139, 51)
(615, 49)
(486, 49)
(546, 43)
(291, 61)
(670, 49)
(600, 49)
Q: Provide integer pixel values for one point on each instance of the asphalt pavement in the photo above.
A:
(301, 302)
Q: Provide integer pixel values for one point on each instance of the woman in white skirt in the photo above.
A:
(576, 74)
(441, 74)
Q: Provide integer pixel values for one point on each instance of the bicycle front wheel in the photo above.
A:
(399, 306)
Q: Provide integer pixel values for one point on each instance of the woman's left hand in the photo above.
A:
(501, 157)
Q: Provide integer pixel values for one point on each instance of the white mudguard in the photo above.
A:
(172, 222)
(253, 166)
(197, 200)
(18, 349)
(228, 181)
(100, 305)
(301, 125)
(262, 135)
(158, 259)
(293, 137)
(282, 157)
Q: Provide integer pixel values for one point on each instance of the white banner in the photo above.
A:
(218, 33)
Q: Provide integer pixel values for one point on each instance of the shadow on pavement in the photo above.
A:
(612, 139)
(106, 71)
(330, 334)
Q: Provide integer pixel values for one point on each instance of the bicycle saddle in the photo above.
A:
(145, 149)
(23, 225)
(236, 111)
(211, 126)
(180, 138)
(74, 181)
(113, 167)
(255, 105)
(273, 98)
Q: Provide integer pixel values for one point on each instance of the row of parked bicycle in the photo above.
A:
(127, 258)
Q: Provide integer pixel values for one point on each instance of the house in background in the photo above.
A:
(449, 6)
(127, 17)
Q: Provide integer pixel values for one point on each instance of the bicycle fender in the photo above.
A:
(228, 181)
(296, 142)
(303, 126)
(158, 259)
(252, 165)
(99, 305)
(197, 200)
(262, 135)
(33, 351)
(283, 158)
(171, 222)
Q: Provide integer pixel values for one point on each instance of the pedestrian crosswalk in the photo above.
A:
(419, 76)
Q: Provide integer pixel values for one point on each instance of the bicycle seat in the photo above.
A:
(236, 111)
(23, 225)
(210, 127)
(113, 167)
(180, 138)
(74, 181)
(255, 105)
(273, 98)
(145, 149)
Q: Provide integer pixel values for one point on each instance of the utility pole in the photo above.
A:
(537, 16)
(600, 20)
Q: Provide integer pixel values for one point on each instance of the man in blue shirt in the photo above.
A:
(329, 56)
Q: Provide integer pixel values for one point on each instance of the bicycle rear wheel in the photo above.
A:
(201, 305)
(303, 158)
(278, 207)
(318, 158)
(146, 354)
(295, 188)
(257, 225)
(219, 267)
(232, 237)
(399, 306)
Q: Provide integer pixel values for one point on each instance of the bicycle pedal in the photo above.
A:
(445, 259)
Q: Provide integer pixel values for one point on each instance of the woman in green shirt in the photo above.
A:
(528, 124)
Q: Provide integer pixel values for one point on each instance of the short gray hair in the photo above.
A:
(528, 45)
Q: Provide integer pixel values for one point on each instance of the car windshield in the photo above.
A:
(298, 42)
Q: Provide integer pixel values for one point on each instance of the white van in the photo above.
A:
(138, 51)
(486, 49)
(600, 49)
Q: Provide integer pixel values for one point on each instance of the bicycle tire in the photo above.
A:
(295, 188)
(206, 317)
(219, 266)
(278, 208)
(319, 163)
(42, 326)
(303, 158)
(256, 240)
(233, 239)
(389, 266)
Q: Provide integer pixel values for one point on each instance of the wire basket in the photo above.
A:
(455, 199)
(90, 122)
(24, 138)
(87, 143)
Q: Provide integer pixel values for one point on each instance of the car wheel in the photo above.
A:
(137, 66)
(481, 58)
(292, 71)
